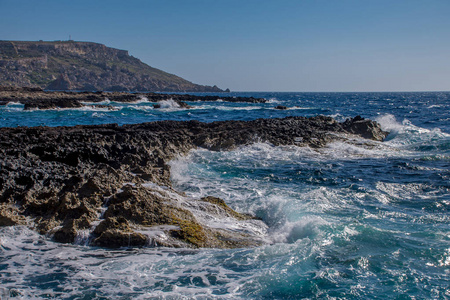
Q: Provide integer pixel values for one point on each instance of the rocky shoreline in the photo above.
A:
(109, 185)
(35, 98)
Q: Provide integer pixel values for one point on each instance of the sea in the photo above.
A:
(351, 220)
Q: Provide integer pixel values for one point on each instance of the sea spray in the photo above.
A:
(352, 220)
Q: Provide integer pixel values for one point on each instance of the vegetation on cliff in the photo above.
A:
(70, 65)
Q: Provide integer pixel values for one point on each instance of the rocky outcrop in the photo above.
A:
(35, 98)
(110, 185)
(70, 65)
(365, 128)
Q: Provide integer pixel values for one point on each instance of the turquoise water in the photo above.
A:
(353, 220)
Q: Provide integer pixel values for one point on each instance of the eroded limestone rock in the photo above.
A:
(95, 179)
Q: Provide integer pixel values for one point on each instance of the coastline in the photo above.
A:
(112, 184)
(35, 98)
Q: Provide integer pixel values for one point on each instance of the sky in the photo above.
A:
(249, 45)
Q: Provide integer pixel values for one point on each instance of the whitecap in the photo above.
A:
(290, 232)
(12, 107)
(141, 107)
(228, 108)
(169, 104)
(104, 102)
(273, 100)
(94, 108)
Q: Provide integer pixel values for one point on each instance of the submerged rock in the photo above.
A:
(112, 182)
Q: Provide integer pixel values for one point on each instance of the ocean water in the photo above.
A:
(353, 220)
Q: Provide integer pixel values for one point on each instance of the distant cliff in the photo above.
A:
(70, 65)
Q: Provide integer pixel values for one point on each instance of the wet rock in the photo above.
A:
(366, 128)
(226, 209)
(116, 232)
(67, 179)
(10, 215)
(39, 99)
(69, 230)
(108, 107)
(138, 205)
(281, 107)
(51, 104)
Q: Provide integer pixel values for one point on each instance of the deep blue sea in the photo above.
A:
(352, 220)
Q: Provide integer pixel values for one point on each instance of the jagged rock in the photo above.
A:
(116, 232)
(33, 98)
(366, 128)
(69, 230)
(51, 104)
(10, 215)
(63, 178)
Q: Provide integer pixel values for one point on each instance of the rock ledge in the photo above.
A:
(109, 185)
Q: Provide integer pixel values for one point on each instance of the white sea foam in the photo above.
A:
(49, 269)
(389, 123)
(11, 104)
(435, 106)
(142, 99)
(104, 102)
(274, 100)
(291, 232)
(94, 108)
(406, 136)
(228, 108)
(86, 108)
(98, 115)
(207, 214)
(169, 104)
(339, 226)
(296, 210)
(141, 107)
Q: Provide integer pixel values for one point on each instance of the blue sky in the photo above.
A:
(249, 45)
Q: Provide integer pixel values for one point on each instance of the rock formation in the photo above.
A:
(69, 65)
(110, 186)
(33, 98)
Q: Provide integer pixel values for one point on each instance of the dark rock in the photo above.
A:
(62, 177)
(69, 230)
(52, 104)
(109, 107)
(36, 98)
(280, 107)
(366, 128)
(116, 232)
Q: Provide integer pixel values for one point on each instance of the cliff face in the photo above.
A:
(69, 65)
